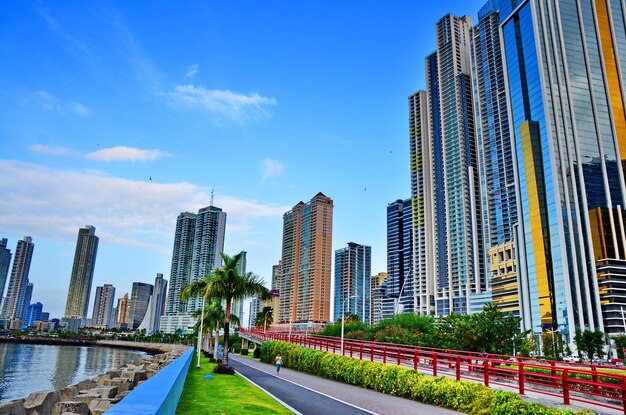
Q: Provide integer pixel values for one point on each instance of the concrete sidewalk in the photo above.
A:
(356, 400)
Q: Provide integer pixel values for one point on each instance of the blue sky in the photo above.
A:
(121, 115)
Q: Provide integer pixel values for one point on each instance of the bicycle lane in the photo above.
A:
(307, 394)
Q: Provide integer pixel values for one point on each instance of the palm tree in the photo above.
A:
(227, 283)
(213, 318)
(264, 317)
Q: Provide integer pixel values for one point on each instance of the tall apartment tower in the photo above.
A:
(198, 244)
(566, 71)
(181, 261)
(498, 199)
(139, 300)
(123, 310)
(378, 289)
(103, 306)
(304, 282)
(5, 261)
(82, 273)
(400, 283)
(152, 318)
(423, 191)
(16, 302)
(353, 268)
(237, 308)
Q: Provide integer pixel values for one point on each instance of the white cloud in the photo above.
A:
(222, 104)
(192, 71)
(270, 169)
(62, 107)
(122, 153)
(134, 214)
(52, 151)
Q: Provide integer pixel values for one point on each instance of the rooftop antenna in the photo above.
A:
(212, 190)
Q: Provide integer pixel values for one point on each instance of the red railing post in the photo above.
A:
(624, 394)
(458, 368)
(553, 370)
(399, 356)
(371, 353)
(434, 361)
(385, 354)
(361, 351)
(415, 360)
(520, 367)
(594, 375)
(486, 366)
(565, 383)
(351, 348)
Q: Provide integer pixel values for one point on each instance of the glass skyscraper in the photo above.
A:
(399, 293)
(17, 299)
(82, 273)
(5, 261)
(139, 301)
(353, 268)
(566, 65)
(103, 306)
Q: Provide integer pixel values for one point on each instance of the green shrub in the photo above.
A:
(469, 397)
(244, 352)
(257, 352)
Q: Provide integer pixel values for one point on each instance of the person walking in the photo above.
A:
(279, 362)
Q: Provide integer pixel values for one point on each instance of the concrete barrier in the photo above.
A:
(158, 395)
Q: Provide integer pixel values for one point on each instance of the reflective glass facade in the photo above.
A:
(353, 269)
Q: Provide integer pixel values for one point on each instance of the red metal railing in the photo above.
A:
(571, 382)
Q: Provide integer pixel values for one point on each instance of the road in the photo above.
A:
(312, 395)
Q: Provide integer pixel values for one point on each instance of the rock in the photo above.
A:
(73, 407)
(86, 397)
(68, 393)
(13, 408)
(99, 406)
(104, 391)
(40, 403)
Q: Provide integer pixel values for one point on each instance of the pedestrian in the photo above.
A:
(279, 362)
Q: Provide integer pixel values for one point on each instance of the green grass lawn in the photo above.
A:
(224, 394)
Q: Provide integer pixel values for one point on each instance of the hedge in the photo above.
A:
(469, 397)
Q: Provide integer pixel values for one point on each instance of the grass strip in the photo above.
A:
(224, 394)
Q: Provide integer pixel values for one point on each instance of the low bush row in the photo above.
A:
(468, 397)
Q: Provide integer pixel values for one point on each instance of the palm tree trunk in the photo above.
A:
(217, 340)
(226, 331)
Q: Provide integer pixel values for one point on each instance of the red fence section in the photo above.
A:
(571, 382)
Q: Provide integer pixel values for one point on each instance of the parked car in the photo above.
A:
(571, 359)
(617, 362)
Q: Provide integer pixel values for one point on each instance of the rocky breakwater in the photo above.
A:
(96, 395)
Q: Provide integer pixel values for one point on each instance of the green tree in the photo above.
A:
(226, 284)
(213, 318)
(620, 345)
(264, 317)
(590, 342)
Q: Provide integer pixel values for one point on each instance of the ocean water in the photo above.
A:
(28, 368)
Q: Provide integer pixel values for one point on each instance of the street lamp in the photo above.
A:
(343, 319)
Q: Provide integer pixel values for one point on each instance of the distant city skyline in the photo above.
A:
(105, 120)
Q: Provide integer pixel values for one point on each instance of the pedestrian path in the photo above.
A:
(311, 395)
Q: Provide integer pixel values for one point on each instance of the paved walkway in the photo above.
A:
(312, 395)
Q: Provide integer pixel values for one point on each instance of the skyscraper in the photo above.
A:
(103, 306)
(353, 266)
(181, 261)
(33, 313)
(399, 294)
(139, 300)
(566, 69)
(378, 290)
(237, 308)
(305, 279)
(5, 261)
(498, 200)
(13, 307)
(82, 273)
(152, 319)
(123, 311)
(198, 244)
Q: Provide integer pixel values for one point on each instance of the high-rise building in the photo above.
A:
(237, 308)
(423, 191)
(103, 306)
(255, 307)
(498, 199)
(123, 311)
(304, 282)
(152, 319)
(399, 294)
(378, 290)
(181, 261)
(33, 313)
(198, 245)
(14, 306)
(566, 68)
(139, 300)
(5, 261)
(353, 266)
(82, 273)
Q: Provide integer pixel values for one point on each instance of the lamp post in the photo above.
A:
(343, 318)
(200, 332)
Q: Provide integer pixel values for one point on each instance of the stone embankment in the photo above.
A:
(96, 395)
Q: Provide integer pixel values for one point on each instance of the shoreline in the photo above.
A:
(149, 348)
